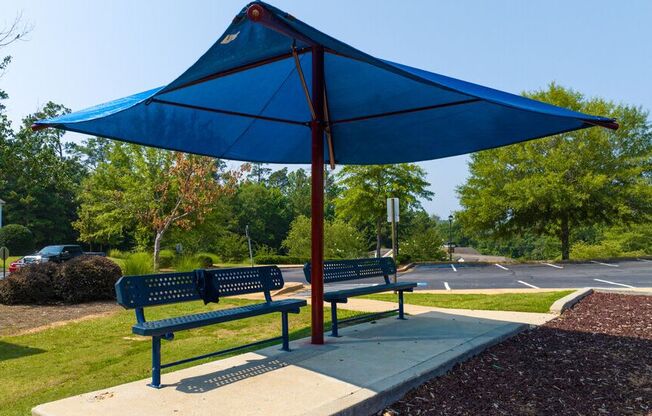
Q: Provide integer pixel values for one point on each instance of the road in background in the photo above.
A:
(613, 275)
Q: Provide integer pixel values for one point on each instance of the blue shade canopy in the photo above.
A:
(244, 99)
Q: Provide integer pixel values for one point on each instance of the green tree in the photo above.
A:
(365, 190)
(17, 238)
(298, 193)
(341, 240)
(266, 212)
(553, 185)
(258, 172)
(279, 179)
(40, 179)
(148, 191)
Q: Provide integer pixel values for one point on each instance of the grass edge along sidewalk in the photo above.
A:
(97, 353)
(514, 302)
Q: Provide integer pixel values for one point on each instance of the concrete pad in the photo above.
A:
(371, 365)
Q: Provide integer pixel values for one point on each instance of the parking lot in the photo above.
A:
(612, 275)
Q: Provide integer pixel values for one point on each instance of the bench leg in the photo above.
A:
(401, 314)
(285, 329)
(156, 362)
(334, 332)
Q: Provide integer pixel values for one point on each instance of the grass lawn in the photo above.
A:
(99, 353)
(519, 302)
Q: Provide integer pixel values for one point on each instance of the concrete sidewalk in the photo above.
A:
(369, 367)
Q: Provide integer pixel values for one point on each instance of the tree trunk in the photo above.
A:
(157, 248)
(379, 226)
(565, 237)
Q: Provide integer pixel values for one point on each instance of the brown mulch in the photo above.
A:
(596, 359)
(20, 319)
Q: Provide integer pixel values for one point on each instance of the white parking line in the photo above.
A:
(446, 286)
(614, 283)
(454, 269)
(604, 264)
(553, 265)
(527, 284)
(501, 266)
(645, 260)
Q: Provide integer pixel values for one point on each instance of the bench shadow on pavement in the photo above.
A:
(419, 338)
(10, 351)
(253, 368)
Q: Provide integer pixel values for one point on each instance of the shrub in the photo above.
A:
(17, 238)
(87, 278)
(604, 250)
(403, 258)
(423, 245)
(166, 258)
(33, 284)
(117, 254)
(138, 263)
(277, 259)
(341, 240)
(187, 264)
(233, 247)
(215, 259)
(204, 261)
(264, 250)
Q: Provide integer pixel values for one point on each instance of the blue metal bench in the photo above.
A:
(348, 270)
(138, 292)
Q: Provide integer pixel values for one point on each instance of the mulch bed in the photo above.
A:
(596, 359)
(20, 319)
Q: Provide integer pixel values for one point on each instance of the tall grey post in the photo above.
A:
(2, 203)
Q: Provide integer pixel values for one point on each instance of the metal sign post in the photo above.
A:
(393, 217)
(4, 253)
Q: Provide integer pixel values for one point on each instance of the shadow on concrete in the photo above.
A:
(253, 368)
(10, 351)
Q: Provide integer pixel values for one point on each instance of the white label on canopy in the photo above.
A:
(229, 38)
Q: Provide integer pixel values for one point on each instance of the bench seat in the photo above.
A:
(180, 323)
(342, 295)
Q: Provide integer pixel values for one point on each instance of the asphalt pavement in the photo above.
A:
(612, 275)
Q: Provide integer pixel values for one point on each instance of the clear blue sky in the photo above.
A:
(81, 52)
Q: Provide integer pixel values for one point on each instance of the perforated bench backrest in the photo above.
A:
(230, 282)
(160, 289)
(343, 270)
(156, 289)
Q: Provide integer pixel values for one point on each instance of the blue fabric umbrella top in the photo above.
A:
(246, 99)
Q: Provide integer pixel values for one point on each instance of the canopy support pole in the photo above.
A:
(317, 200)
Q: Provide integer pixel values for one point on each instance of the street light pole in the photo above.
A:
(450, 237)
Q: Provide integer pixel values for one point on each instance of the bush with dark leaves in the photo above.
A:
(87, 278)
(206, 262)
(33, 284)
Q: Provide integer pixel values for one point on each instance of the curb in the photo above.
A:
(568, 301)
(289, 266)
(290, 287)
(386, 394)
(405, 268)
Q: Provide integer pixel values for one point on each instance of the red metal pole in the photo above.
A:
(317, 209)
